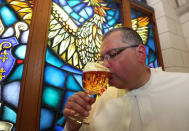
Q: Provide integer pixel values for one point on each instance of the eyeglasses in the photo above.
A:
(114, 52)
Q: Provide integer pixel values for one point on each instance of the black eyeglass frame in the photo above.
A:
(116, 51)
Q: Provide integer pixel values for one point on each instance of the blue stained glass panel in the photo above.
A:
(51, 58)
(109, 17)
(51, 97)
(17, 74)
(112, 22)
(151, 43)
(71, 69)
(117, 15)
(81, 20)
(133, 15)
(8, 64)
(106, 30)
(54, 76)
(11, 93)
(151, 32)
(8, 16)
(78, 78)
(151, 65)
(68, 9)
(89, 11)
(62, 2)
(58, 128)
(47, 119)
(150, 25)
(147, 50)
(57, 1)
(1, 1)
(77, 22)
(24, 37)
(146, 60)
(112, 17)
(61, 120)
(110, 12)
(84, 14)
(156, 63)
(106, 25)
(73, 2)
(9, 61)
(20, 51)
(9, 114)
(72, 84)
(79, 7)
(152, 57)
(75, 16)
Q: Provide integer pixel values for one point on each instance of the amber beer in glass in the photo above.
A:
(95, 78)
(95, 81)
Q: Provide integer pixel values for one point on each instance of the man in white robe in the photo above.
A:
(144, 99)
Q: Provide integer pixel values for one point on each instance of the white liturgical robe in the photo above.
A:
(162, 104)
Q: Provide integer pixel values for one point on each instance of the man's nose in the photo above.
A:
(106, 63)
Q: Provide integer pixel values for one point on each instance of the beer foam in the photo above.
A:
(92, 66)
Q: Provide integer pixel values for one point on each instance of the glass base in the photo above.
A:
(79, 121)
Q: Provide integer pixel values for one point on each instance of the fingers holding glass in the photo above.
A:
(78, 106)
(95, 78)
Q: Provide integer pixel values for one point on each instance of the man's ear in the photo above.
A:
(141, 53)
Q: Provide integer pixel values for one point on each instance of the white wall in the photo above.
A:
(173, 34)
(183, 12)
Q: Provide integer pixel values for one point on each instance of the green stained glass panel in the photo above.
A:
(9, 114)
(51, 97)
(17, 74)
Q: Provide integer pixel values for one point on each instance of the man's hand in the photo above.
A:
(80, 103)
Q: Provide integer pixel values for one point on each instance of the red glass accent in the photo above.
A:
(19, 61)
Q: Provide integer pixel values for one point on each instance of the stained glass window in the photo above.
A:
(15, 17)
(75, 33)
(143, 25)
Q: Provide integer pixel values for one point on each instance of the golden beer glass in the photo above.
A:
(95, 78)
